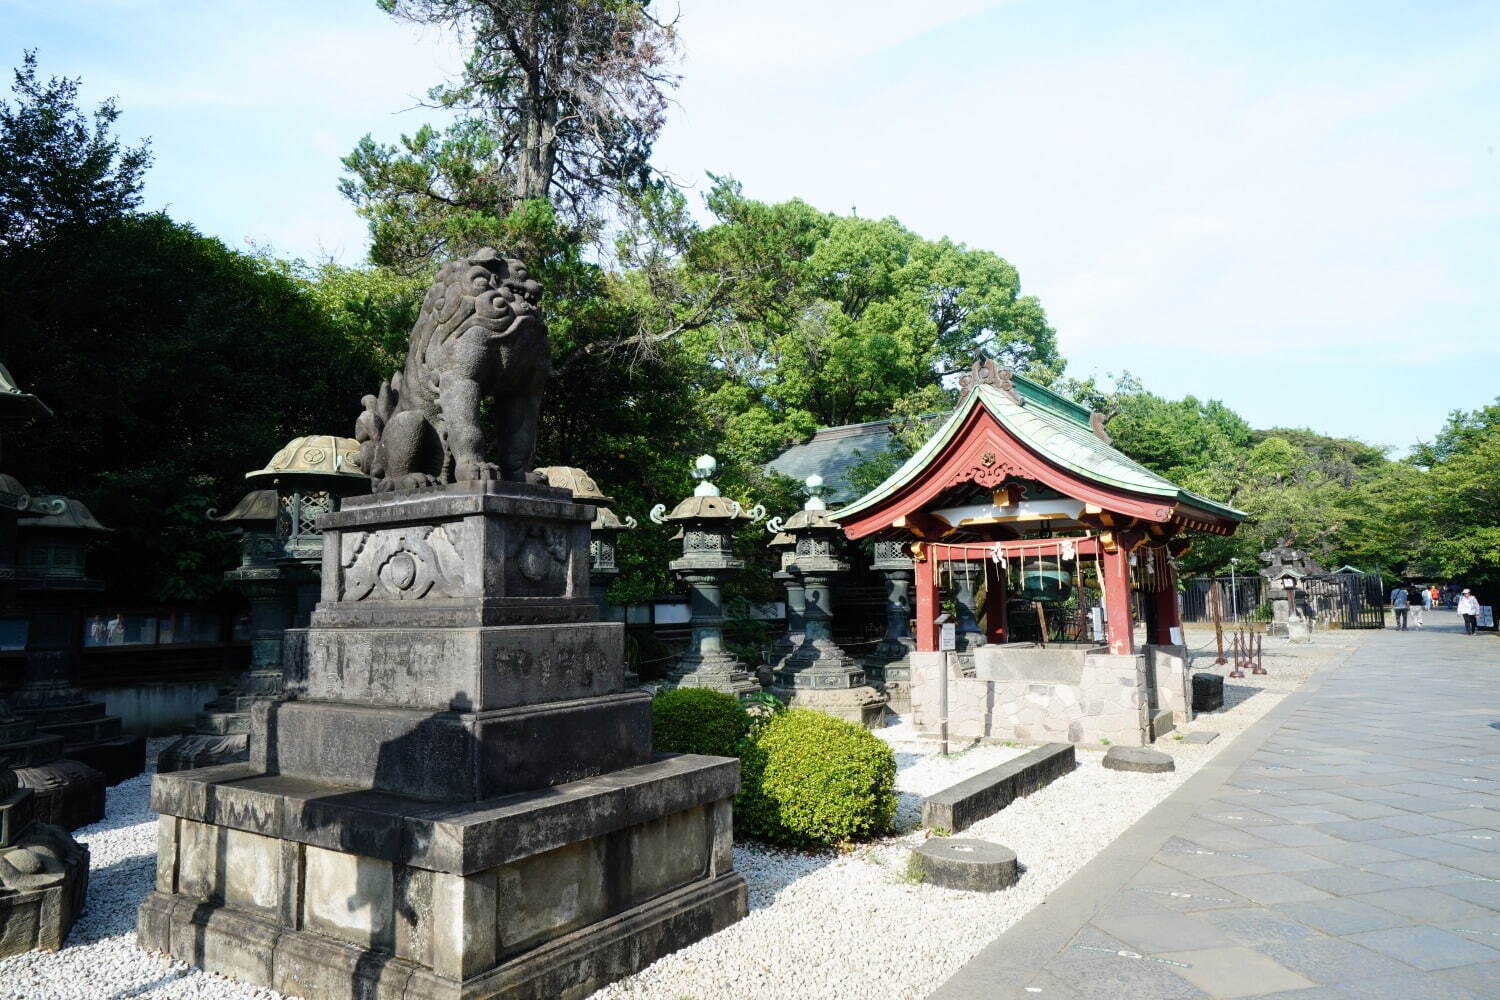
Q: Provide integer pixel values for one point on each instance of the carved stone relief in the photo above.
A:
(404, 564)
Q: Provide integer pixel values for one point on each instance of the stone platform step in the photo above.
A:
(222, 722)
(85, 732)
(56, 715)
(27, 752)
(119, 758)
(14, 730)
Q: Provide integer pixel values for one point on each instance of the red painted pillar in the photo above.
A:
(927, 603)
(1168, 616)
(1115, 568)
(996, 622)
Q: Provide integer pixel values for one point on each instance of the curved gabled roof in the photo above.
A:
(1055, 428)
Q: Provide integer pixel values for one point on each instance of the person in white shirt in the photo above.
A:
(1468, 607)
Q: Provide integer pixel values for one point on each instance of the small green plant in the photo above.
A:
(940, 831)
(915, 870)
(762, 706)
(1177, 737)
(696, 720)
(812, 780)
(1105, 740)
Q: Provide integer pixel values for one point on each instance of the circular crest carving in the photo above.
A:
(403, 570)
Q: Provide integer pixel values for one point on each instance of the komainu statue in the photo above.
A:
(480, 333)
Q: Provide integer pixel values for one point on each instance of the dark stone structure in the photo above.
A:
(960, 806)
(708, 521)
(61, 792)
(456, 795)
(819, 674)
(796, 600)
(1208, 692)
(888, 666)
(44, 874)
(479, 334)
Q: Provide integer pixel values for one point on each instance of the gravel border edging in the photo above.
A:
(1014, 958)
(961, 805)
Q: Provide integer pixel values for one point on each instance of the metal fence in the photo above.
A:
(1245, 598)
(1343, 600)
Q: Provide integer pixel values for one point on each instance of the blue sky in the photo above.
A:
(1290, 206)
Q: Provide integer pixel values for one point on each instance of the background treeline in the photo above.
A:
(174, 364)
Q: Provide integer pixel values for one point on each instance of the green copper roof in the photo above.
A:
(1052, 426)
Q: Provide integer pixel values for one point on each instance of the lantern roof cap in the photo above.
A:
(57, 512)
(322, 457)
(257, 505)
(700, 507)
(15, 403)
(577, 482)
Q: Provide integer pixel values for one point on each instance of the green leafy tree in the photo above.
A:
(558, 102)
(1453, 520)
(173, 366)
(60, 167)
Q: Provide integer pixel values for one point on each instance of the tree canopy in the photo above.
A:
(59, 167)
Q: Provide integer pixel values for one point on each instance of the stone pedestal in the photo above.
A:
(456, 796)
(888, 666)
(89, 736)
(43, 874)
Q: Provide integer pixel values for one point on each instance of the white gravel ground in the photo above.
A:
(831, 927)
(821, 925)
(100, 960)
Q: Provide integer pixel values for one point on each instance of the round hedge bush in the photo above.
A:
(808, 778)
(695, 720)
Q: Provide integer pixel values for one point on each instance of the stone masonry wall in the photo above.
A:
(1108, 702)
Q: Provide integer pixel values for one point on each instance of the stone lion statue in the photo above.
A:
(480, 334)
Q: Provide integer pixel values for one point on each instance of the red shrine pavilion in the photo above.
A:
(1021, 479)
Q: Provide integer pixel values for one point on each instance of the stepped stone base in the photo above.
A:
(727, 676)
(863, 706)
(44, 874)
(324, 892)
(203, 749)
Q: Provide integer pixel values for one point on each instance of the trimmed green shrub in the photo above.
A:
(808, 779)
(696, 720)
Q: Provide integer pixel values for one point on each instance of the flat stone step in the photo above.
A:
(86, 732)
(221, 722)
(960, 806)
(56, 715)
(1140, 759)
(1203, 737)
(29, 752)
(964, 863)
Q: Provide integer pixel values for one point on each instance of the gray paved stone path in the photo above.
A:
(1346, 846)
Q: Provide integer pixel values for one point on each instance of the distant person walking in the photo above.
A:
(1400, 602)
(1414, 598)
(1468, 606)
(1430, 596)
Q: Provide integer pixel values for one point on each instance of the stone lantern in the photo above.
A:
(311, 475)
(819, 674)
(796, 603)
(221, 732)
(606, 524)
(888, 666)
(708, 521)
(54, 534)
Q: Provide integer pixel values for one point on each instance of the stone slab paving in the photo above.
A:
(1346, 846)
